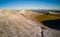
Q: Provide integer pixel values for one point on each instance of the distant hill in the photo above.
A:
(39, 11)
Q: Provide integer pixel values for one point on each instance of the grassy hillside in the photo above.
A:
(37, 16)
(40, 18)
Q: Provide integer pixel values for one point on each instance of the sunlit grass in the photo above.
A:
(40, 18)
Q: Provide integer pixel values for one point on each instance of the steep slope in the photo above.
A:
(37, 16)
(13, 24)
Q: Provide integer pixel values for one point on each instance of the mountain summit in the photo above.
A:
(13, 24)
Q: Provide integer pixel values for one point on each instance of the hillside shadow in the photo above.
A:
(54, 24)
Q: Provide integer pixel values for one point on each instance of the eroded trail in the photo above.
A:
(16, 25)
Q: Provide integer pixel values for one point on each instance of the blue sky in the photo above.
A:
(30, 4)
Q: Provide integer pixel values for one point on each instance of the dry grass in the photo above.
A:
(40, 18)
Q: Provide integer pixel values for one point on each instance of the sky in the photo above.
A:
(30, 4)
